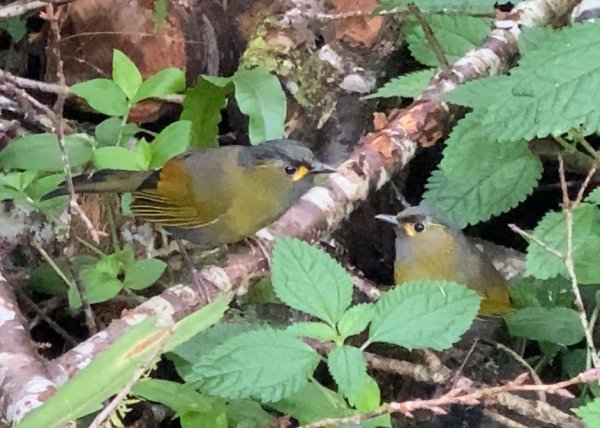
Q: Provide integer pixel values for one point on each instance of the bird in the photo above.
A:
(213, 196)
(428, 248)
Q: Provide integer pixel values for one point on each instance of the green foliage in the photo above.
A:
(456, 35)
(551, 104)
(172, 141)
(532, 292)
(267, 364)
(409, 85)
(552, 230)
(309, 280)
(316, 330)
(590, 413)
(424, 314)
(594, 196)
(40, 152)
(15, 26)
(202, 106)
(555, 325)
(348, 368)
(500, 174)
(356, 319)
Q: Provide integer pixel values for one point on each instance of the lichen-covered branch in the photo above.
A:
(24, 382)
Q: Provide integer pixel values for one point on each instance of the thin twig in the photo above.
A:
(531, 237)
(501, 419)
(430, 36)
(568, 208)
(525, 364)
(460, 396)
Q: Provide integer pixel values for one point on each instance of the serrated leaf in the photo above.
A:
(552, 231)
(555, 325)
(248, 414)
(125, 74)
(259, 96)
(594, 196)
(266, 364)
(424, 314)
(348, 368)
(550, 103)
(172, 141)
(499, 176)
(103, 95)
(309, 280)
(202, 107)
(355, 319)
(40, 152)
(15, 26)
(316, 330)
(456, 35)
(408, 85)
(440, 6)
(590, 413)
(165, 82)
(528, 291)
(143, 273)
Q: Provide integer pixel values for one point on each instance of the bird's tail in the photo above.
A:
(104, 181)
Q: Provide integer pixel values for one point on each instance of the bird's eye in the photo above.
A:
(419, 227)
(290, 170)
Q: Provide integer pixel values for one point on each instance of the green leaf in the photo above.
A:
(103, 95)
(552, 231)
(165, 82)
(118, 158)
(309, 280)
(40, 152)
(202, 107)
(590, 413)
(143, 273)
(355, 319)
(550, 293)
(316, 330)
(216, 418)
(172, 141)
(179, 397)
(18, 180)
(594, 196)
(106, 375)
(409, 85)
(99, 286)
(549, 105)
(348, 368)
(424, 314)
(125, 74)
(259, 96)
(555, 325)
(369, 398)
(440, 6)
(456, 35)
(311, 403)
(248, 413)
(500, 175)
(15, 26)
(267, 364)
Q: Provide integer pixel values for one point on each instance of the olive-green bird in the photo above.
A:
(427, 248)
(214, 196)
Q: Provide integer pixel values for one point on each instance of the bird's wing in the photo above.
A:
(173, 198)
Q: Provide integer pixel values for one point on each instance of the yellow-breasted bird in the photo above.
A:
(214, 196)
(427, 248)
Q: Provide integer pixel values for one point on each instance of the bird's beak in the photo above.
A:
(388, 218)
(317, 167)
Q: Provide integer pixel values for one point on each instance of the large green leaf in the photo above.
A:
(480, 176)
(441, 6)
(267, 364)
(125, 74)
(103, 95)
(165, 82)
(309, 280)
(348, 368)
(424, 314)
(172, 141)
(260, 96)
(590, 413)
(552, 230)
(40, 152)
(408, 85)
(555, 325)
